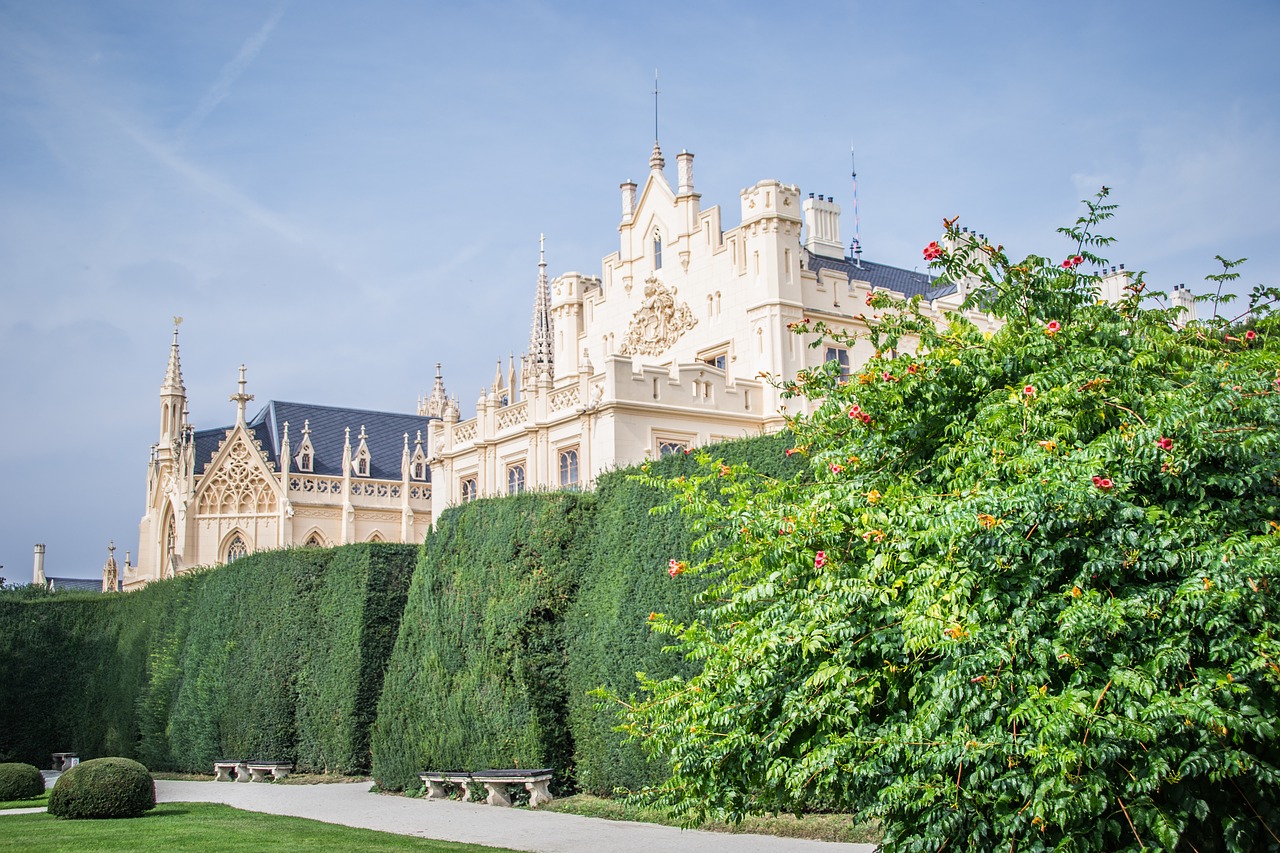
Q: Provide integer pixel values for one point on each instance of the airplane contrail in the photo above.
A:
(230, 73)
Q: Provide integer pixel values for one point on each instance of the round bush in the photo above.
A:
(103, 788)
(20, 782)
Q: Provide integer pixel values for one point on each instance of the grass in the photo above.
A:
(208, 828)
(33, 803)
(820, 827)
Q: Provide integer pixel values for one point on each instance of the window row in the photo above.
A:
(469, 489)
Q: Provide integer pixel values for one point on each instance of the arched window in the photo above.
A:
(236, 548)
(169, 561)
(304, 461)
(515, 479)
(468, 489)
(657, 250)
(313, 541)
(362, 467)
(569, 467)
(419, 471)
(670, 447)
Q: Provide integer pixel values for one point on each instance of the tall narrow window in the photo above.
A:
(568, 467)
(469, 490)
(657, 250)
(515, 479)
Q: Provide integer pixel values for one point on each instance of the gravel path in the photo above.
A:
(352, 804)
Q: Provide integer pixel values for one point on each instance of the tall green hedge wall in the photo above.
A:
(279, 655)
(520, 607)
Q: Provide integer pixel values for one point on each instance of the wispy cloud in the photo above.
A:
(231, 72)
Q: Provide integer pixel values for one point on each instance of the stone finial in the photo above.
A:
(241, 398)
(684, 167)
(656, 161)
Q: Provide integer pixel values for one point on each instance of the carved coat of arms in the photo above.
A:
(658, 323)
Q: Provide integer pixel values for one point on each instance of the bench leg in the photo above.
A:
(242, 772)
(436, 791)
(466, 791)
(259, 775)
(539, 793)
(279, 772)
(223, 775)
(497, 794)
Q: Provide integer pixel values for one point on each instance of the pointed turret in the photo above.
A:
(173, 395)
(433, 406)
(541, 343)
(110, 572)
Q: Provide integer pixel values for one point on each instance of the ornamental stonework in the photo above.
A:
(658, 323)
(237, 487)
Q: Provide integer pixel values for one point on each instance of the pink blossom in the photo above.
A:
(1250, 335)
(1051, 328)
(819, 559)
(1104, 483)
(1029, 390)
(1165, 443)
(676, 567)
(932, 251)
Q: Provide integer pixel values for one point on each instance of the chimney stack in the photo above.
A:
(37, 576)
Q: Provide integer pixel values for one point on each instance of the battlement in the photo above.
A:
(771, 199)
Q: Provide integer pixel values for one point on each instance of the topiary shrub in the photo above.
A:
(20, 782)
(103, 788)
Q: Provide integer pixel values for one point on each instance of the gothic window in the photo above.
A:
(569, 467)
(515, 479)
(304, 461)
(236, 548)
(672, 446)
(840, 355)
(170, 546)
(657, 250)
(362, 467)
(375, 536)
(313, 541)
(468, 489)
(419, 471)
(237, 486)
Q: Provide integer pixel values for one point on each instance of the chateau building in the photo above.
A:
(669, 347)
(292, 475)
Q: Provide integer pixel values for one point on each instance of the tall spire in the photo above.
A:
(173, 396)
(541, 353)
(173, 375)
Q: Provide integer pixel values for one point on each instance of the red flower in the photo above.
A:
(888, 377)
(1077, 261)
(1029, 390)
(1072, 262)
(837, 468)
(1051, 328)
(1097, 481)
(932, 251)
(913, 368)
(1165, 443)
(855, 412)
(1104, 483)
(1250, 335)
(819, 559)
(676, 567)
(791, 451)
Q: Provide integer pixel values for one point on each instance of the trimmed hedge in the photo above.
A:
(624, 580)
(521, 607)
(20, 781)
(279, 655)
(477, 678)
(103, 788)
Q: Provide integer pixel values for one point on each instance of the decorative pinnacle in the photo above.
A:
(656, 161)
(241, 398)
(173, 374)
(541, 352)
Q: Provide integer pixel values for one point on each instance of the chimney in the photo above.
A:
(684, 169)
(1181, 298)
(628, 200)
(822, 227)
(37, 576)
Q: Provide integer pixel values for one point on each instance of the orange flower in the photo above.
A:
(987, 521)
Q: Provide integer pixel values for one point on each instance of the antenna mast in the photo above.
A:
(655, 106)
(855, 245)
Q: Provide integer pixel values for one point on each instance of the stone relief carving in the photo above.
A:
(658, 323)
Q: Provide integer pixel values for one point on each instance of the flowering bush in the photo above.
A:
(1055, 627)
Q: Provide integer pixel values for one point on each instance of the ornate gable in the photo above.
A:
(239, 481)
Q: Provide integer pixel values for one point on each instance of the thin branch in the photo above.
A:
(1130, 821)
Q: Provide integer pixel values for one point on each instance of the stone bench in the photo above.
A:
(65, 760)
(249, 771)
(495, 783)
(230, 771)
(258, 770)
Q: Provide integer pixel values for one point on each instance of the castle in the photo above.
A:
(668, 348)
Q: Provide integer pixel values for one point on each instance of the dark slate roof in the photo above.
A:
(75, 584)
(384, 435)
(906, 282)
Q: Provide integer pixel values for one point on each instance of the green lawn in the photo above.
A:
(199, 827)
(33, 803)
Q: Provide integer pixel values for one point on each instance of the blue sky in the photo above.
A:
(340, 195)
